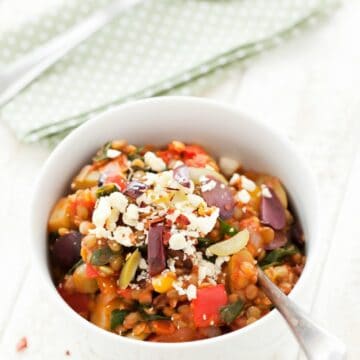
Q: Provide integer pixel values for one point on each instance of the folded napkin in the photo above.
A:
(154, 48)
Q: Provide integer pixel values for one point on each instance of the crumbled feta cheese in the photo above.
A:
(206, 269)
(177, 242)
(247, 184)
(189, 248)
(208, 186)
(228, 166)
(112, 153)
(140, 226)
(243, 196)
(142, 276)
(112, 219)
(101, 212)
(118, 201)
(203, 179)
(203, 224)
(154, 162)
(195, 200)
(100, 232)
(191, 292)
(234, 179)
(143, 264)
(177, 285)
(265, 191)
(124, 236)
(220, 260)
(131, 215)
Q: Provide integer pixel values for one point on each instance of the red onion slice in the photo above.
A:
(272, 212)
(181, 174)
(135, 188)
(155, 251)
(280, 240)
(221, 197)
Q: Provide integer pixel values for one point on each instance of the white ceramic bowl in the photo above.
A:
(223, 131)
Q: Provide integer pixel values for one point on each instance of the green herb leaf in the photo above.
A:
(230, 312)
(102, 153)
(277, 256)
(117, 318)
(106, 190)
(204, 242)
(76, 265)
(227, 229)
(101, 256)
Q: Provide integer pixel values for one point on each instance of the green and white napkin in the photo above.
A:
(156, 47)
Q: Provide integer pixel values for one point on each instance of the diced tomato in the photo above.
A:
(116, 179)
(193, 150)
(78, 302)
(199, 160)
(167, 155)
(206, 307)
(91, 271)
(125, 293)
(181, 221)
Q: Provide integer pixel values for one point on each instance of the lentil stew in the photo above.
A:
(161, 244)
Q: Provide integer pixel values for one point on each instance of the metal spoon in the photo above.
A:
(316, 342)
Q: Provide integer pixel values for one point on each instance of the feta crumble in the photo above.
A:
(243, 196)
(208, 186)
(118, 201)
(191, 292)
(124, 236)
(131, 215)
(234, 179)
(265, 191)
(101, 212)
(247, 184)
(112, 153)
(177, 242)
(154, 162)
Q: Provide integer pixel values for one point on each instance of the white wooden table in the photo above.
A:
(309, 88)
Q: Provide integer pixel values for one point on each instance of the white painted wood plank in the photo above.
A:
(337, 306)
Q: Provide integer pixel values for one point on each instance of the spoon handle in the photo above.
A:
(316, 342)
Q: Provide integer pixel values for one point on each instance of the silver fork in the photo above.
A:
(317, 343)
(20, 74)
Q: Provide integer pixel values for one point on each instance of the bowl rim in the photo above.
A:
(184, 100)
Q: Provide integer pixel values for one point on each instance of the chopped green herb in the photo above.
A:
(204, 242)
(76, 265)
(106, 190)
(227, 229)
(230, 312)
(101, 256)
(102, 153)
(117, 318)
(277, 256)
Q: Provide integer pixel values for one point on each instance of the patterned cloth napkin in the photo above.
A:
(155, 48)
